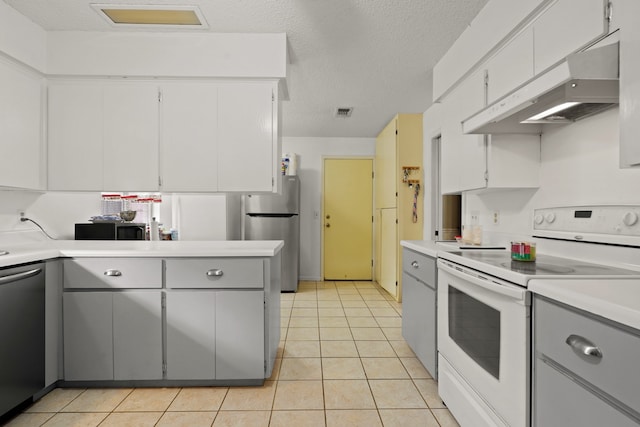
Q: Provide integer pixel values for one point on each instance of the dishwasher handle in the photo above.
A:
(19, 276)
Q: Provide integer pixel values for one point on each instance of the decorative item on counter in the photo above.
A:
(128, 215)
(154, 229)
(289, 164)
(523, 251)
(174, 234)
(471, 235)
(111, 204)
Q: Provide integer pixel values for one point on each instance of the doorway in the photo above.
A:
(347, 219)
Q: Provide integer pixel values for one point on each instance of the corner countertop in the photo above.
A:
(50, 249)
(429, 247)
(617, 300)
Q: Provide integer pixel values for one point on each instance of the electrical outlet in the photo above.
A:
(496, 217)
(475, 217)
(20, 214)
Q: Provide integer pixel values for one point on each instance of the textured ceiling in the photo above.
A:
(373, 55)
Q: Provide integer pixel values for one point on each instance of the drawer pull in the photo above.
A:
(415, 264)
(113, 273)
(214, 273)
(584, 346)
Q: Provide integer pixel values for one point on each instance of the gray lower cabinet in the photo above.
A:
(191, 337)
(112, 335)
(419, 307)
(240, 337)
(88, 336)
(137, 335)
(585, 369)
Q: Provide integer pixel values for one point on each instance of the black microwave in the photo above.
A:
(110, 231)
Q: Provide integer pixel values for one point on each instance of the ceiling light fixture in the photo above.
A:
(164, 16)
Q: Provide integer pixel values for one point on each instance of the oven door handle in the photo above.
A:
(505, 289)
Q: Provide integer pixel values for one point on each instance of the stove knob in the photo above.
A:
(630, 218)
(550, 217)
(538, 219)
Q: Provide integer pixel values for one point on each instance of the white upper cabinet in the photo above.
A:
(103, 136)
(627, 12)
(510, 66)
(192, 136)
(247, 158)
(75, 137)
(567, 26)
(188, 137)
(131, 137)
(21, 152)
(476, 162)
(462, 156)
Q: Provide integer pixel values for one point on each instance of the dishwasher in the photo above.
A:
(22, 318)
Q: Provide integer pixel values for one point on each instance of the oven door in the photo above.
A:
(483, 345)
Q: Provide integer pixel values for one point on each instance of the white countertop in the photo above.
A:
(35, 251)
(617, 300)
(429, 247)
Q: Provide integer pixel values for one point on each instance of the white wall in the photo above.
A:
(310, 154)
(579, 167)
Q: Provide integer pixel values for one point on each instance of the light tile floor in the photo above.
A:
(342, 361)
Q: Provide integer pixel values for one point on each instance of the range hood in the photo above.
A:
(584, 84)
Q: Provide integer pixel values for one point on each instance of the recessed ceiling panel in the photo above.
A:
(141, 15)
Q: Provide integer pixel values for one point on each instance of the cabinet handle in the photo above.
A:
(214, 273)
(415, 264)
(113, 273)
(583, 346)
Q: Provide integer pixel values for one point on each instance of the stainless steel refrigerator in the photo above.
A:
(275, 217)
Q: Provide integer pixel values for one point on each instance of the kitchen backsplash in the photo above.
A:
(197, 216)
(579, 167)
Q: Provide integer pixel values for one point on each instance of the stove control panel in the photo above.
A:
(600, 224)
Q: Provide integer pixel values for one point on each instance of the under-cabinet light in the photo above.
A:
(551, 111)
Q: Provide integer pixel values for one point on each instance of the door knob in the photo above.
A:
(328, 225)
(328, 217)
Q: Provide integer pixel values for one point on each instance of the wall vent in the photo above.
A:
(344, 112)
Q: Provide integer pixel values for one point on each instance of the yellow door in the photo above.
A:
(348, 210)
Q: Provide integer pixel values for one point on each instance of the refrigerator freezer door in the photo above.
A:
(279, 227)
(287, 202)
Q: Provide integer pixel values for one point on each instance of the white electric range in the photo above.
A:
(484, 312)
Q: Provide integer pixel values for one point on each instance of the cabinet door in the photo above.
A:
(239, 323)
(137, 335)
(561, 401)
(20, 127)
(75, 136)
(188, 139)
(88, 336)
(463, 157)
(130, 137)
(511, 66)
(388, 251)
(567, 26)
(385, 163)
(191, 350)
(419, 320)
(246, 160)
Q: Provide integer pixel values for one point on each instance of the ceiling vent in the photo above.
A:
(163, 16)
(343, 112)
